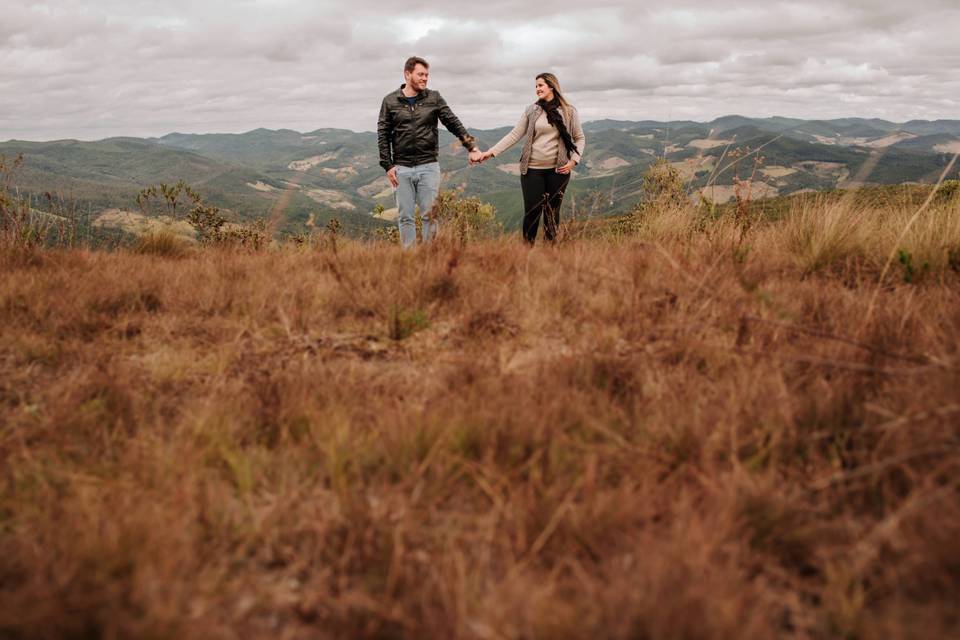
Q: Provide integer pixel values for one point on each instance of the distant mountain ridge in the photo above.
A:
(326, 173)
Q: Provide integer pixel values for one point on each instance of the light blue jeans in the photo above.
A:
(418, 186)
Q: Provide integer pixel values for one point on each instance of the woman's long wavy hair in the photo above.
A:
(554, 84)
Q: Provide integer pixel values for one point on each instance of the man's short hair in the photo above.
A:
(412, 63)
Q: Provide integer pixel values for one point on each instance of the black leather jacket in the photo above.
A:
(407, 136)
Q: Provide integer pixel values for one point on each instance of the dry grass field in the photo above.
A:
(687, 429)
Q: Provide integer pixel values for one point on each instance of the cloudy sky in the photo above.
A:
(96, 68)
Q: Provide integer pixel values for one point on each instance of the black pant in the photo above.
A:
(542, 196)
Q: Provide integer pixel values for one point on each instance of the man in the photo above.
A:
(408, 140)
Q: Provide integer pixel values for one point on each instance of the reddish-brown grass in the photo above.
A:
(676, 436)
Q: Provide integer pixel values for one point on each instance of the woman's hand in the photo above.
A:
(478, 157)
(567, 168)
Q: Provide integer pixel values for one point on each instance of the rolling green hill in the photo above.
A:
(306, 179)
(104, 175)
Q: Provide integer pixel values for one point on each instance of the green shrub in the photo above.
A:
(663, 185)
(469, 218)
(207, 220)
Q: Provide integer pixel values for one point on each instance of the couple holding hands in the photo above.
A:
(407, 137)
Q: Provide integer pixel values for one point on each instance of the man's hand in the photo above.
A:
(392, 177)
(567, 168)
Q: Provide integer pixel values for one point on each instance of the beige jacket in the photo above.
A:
(526, 128)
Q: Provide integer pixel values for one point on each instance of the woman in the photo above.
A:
(553, 145)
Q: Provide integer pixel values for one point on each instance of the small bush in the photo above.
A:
(251, 235)
(664, 186)
(207, 220)
(666, 212)
(469, 218)
(389, 235)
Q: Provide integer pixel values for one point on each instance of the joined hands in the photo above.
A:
(478, 157)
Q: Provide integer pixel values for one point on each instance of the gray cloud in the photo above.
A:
(94, 68)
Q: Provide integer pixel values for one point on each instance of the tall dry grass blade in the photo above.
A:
(896, 245)
(713, 173)
(745, 156)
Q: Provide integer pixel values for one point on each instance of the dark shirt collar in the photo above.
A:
(420, 96)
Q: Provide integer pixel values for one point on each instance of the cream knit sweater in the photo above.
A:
(543, 149)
